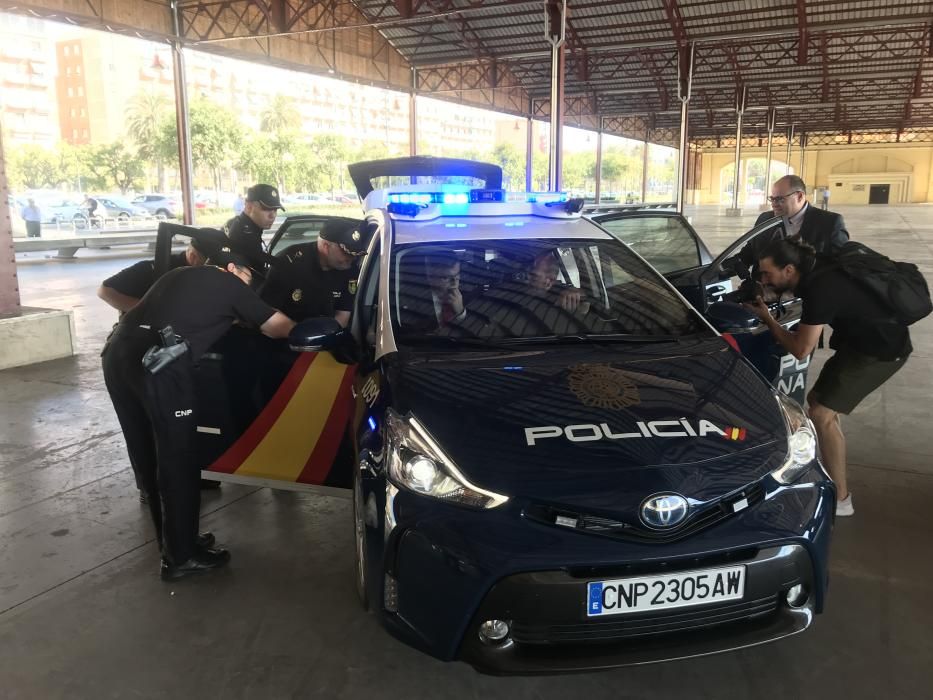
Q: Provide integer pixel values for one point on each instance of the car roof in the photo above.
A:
(474, 228)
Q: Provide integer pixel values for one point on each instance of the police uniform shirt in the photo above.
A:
(135, 280)
(299, 288)
(244, 234)
(200, 303)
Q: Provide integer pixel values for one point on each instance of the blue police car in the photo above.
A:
(556, 461)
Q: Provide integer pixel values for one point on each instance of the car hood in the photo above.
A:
(600, 427)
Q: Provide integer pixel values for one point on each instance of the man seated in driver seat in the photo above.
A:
(319, 278)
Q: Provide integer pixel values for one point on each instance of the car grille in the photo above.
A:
(647, 624)
(559, 516)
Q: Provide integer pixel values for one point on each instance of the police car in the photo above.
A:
(556, 462)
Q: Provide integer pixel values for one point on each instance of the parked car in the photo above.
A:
(62, 209)
(537, 486)
(160, 205)
(119, 208)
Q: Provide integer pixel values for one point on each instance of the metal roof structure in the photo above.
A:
(856, 71)
(837, 69)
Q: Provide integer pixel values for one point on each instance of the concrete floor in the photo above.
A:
(83, 613)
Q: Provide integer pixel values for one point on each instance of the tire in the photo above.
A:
(80, 221)
(123, 216)
(163, 214)
(359, 540)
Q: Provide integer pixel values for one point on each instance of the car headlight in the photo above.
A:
(801, 442)
(417, 463)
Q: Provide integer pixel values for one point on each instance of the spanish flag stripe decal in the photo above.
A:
(284, 450)
(322, 458)
(228, 462)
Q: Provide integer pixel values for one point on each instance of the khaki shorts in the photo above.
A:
(848, 377)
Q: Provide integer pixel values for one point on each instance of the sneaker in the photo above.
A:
(844, 508)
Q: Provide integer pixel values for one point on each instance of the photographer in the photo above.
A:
(870, 346)
(148, 370)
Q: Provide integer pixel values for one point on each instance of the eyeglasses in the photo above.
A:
(781, 198)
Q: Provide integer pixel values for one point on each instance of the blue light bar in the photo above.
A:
(546, 197)
(426, 198)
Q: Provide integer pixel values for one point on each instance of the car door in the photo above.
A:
(269, 415)
(673, 247)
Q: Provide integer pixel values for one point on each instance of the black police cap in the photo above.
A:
(266, 195)
(208, 241)
(352, 235)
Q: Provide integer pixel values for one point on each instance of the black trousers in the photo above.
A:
(158, 415)
(33, 229)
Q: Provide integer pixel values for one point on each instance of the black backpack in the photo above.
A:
(900, 286)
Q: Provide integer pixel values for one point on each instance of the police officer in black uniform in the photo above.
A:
(319, 278)
(148, 363)
(245, 229)
(123, 290)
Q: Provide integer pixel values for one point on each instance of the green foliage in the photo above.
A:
(31, 167)
(512, 162)
(145, 115)
(113, 163)
(280, 116)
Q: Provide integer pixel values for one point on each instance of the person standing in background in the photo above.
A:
(33, 218)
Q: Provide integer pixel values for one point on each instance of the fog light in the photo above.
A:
(494, 631)
(797, 596)
(390, 594)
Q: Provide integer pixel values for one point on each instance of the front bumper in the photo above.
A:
(453, 568)
(550, 631)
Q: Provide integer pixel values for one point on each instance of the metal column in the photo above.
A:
(790, 142)
(739, 112)
(555, 18)
(644, 168)
(413, 115)
(803, 150)
(599, 160)
(9, 284)
(684, 84)
(185, 166)
(772, 120)
(529, 150)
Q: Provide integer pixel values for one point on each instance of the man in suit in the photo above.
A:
(822, 229)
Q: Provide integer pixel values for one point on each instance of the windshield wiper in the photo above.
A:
(600, 338)
(450, 341)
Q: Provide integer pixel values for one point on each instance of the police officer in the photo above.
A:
(245, 229)
(157, 404)
(123, 290)
(319, 278)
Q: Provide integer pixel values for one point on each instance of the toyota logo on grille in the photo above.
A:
(663, 510)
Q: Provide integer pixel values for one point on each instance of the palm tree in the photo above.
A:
(145, 114)
(281, 115)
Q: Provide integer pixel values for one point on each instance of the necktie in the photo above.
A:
(447, 313)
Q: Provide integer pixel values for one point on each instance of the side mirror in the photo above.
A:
(319, 334)
(729, 316)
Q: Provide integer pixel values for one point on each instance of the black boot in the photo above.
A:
(204, 560)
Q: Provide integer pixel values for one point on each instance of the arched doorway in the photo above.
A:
(754, 185)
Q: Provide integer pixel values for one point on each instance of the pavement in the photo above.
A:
(83, 613)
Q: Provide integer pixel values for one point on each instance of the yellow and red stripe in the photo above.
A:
(296, 436)
(734, 433)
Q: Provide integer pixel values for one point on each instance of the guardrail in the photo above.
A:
(67, 244)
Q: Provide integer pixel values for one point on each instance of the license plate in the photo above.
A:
(634, 595)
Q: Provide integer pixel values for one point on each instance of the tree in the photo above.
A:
(145, 114)
(280, 116)
(216, 136)
(512, 162)
(114, 164)
(31, 167)
(330, 154)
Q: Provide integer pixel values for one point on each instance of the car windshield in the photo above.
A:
(532, 289)
(664, 241)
